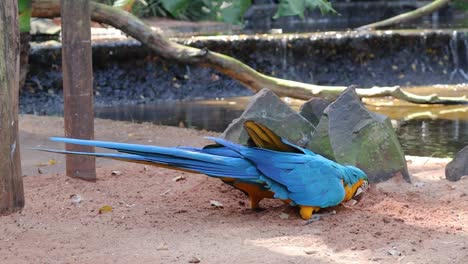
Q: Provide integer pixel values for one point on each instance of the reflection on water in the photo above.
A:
(209, 116)
(419, 133)
(438, 138)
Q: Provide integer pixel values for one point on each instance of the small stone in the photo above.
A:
(394, 252)
(179, 178)
(162, 247)
(386, 220)
(116, 173)
(194, 260)
(399, 220)
(76, 199)
(419, 184)
(310, 251)
(216, 204)
(284, 216)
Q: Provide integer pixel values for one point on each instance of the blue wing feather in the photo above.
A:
(305, 179)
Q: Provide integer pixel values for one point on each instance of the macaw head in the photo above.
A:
(356, 183)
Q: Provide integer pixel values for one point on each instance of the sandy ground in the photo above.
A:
(156, 219)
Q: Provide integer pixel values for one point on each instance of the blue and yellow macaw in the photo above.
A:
(271, 168)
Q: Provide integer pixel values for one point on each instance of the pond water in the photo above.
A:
(423, 130)
(352, 14)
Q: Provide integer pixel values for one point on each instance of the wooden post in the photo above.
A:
(11, 181)
(78, 85)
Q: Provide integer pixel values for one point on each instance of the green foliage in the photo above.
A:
(461, 4)
(24, 19)
(127, 4)
(297, 7)
(235, 12)
(324, 5)
(230, 11)
(175, 7)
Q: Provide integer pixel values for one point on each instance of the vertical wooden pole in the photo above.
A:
(11, 181)
(78, 84)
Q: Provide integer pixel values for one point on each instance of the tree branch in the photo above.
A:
(229, 66)
(406, 17)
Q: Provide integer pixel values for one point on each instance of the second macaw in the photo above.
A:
(273, 168)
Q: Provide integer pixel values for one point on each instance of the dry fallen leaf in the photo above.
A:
(105, 209)
(50, 162)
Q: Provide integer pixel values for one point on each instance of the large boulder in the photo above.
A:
(458, 167)
(268, 109)
(351, 134)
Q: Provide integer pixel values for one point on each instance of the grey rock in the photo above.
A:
(312, 110)
(268, 109)
(458, 167)
(351, 134)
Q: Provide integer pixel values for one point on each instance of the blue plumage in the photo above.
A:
(293, 174)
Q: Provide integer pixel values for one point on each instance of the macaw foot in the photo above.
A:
(255, 202)
(307, 211)
(255, 192)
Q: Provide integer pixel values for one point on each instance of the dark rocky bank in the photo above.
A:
(126, 72)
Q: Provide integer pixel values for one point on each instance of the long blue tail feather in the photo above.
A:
(184, 158)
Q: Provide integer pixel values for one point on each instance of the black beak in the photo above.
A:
(359, 195)
(360, 192)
